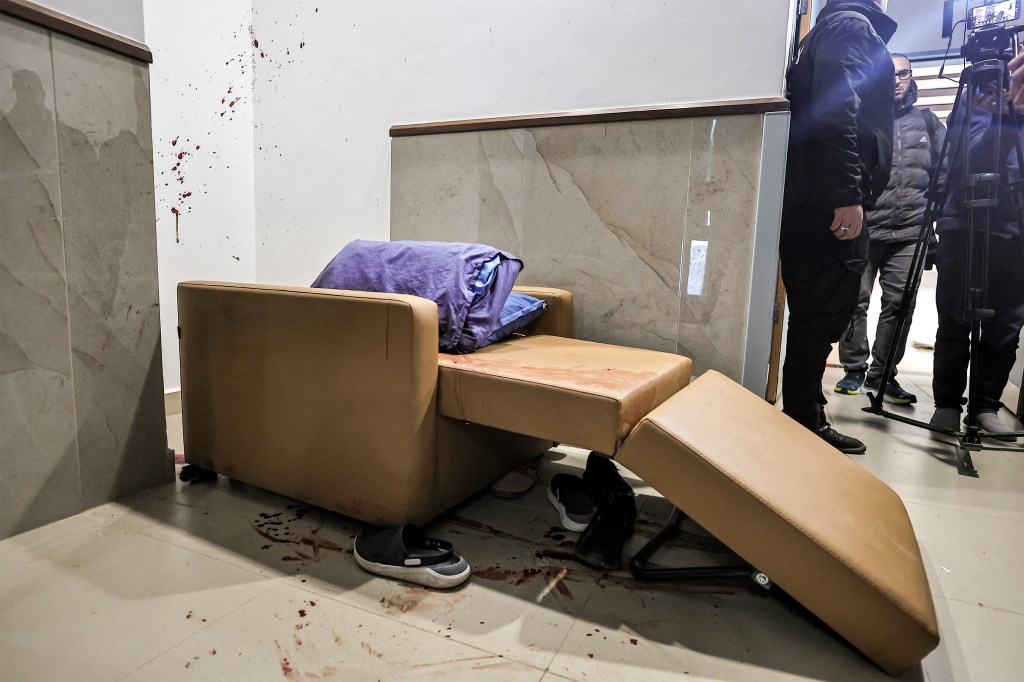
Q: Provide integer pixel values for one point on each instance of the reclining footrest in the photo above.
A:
(826, 531)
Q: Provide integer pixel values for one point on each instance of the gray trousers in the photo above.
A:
(890, 263)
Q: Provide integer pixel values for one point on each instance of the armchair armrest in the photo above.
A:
(557, 320)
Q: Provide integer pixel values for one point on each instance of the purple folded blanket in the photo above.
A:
(469, 282)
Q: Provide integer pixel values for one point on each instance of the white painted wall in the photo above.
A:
(921, 26)
(332, 77)
(124, 17)
(201, 89)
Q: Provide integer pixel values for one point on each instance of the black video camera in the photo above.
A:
(992, 42)
(981, 14)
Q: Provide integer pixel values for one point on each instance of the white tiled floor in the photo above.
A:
(225, 581)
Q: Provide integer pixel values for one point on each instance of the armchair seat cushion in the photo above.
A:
(565, 390)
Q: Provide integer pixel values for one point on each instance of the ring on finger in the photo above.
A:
(844, 229)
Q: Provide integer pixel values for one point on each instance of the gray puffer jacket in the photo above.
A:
(899, 211)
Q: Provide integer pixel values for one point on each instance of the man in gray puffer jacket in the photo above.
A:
(893, 224)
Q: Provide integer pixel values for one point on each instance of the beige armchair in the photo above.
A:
(340, 399)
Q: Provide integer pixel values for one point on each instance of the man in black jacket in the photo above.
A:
(893, 225)
(840, 148)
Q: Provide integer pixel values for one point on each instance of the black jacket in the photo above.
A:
(917, 143)
(841, 97)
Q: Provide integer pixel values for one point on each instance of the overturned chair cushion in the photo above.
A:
(577, 392)
(832, 535)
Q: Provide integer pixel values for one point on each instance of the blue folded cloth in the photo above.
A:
(519, 310)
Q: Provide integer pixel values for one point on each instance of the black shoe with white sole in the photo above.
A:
(571, 497)
(406, 553)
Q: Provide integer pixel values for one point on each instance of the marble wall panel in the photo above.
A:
(605, 206)
(610, 212)
(106, 173)
(467, 187)
(721, 212)
(39, 480)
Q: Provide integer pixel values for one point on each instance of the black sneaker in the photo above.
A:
(570, 496)
(894, 393)
(603, 479)
(845, 444)
(601, 544)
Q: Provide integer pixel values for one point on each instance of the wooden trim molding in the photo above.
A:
(727, 108)
(76, 28)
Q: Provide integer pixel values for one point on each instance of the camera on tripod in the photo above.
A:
(988, 36)
(983, 157)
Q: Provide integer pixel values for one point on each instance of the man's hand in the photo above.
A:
(1017, 81)
(988, 97)
(848, 222)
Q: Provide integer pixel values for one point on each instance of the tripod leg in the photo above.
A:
(964, 465)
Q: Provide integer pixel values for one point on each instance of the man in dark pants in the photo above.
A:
(840, 148)
(893, 225)
(1004, 289)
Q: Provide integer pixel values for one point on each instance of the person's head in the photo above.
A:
(901, 64)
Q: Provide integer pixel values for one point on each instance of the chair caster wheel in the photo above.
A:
(190, 473)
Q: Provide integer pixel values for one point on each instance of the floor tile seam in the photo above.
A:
(201, 630)
(207, 555)
(1012, 612)
(959, 510)
(336, 598)
(568, 631)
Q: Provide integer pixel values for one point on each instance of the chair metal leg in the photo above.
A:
(640, 570)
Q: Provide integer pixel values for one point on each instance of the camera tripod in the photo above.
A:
(988, 52)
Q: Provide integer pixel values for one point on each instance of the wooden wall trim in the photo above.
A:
(76, 28)
(727, 108)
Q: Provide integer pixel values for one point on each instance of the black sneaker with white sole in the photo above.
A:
(406, 553)
(572, 499)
